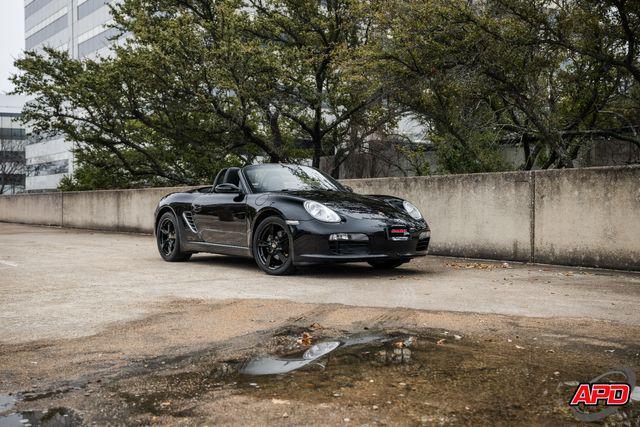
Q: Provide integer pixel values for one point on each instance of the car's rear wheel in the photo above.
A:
(386, 265)
(168, 239)
(272, 247)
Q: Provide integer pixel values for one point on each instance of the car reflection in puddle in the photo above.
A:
(280, 365)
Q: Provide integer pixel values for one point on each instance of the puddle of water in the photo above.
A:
(420, 378)
(7, 401)
(55, 417)
(282, 365)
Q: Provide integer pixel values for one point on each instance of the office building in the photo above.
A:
(12, 142)
(81, 28)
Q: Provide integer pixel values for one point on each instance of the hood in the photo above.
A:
(357, 206)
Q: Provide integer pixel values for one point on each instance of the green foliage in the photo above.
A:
(542, 74)
(197, 85)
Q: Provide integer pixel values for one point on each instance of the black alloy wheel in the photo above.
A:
(272, 244)
(168, 239)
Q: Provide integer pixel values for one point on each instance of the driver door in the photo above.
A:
(221, 218)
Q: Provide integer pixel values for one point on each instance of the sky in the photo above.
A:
(11, 39)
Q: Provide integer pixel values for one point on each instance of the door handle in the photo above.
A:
(196, 208)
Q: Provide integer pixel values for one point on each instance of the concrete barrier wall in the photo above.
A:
(44, 209)
(478, 215)
(110, 210)
(114, 210)
(588, 217)
(585, 217)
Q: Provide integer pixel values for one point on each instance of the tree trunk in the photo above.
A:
(317, 151)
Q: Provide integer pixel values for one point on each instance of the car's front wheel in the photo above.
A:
(272, 247)
(386, 265)
(168, 239)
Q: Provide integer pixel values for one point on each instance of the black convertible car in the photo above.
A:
(286, 215)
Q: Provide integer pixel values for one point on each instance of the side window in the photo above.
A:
(220, 177)
(232, 177)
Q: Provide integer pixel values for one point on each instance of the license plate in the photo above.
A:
(398, 233)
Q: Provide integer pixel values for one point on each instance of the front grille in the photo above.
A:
(422, 245)
(188, 218)
(349, 248)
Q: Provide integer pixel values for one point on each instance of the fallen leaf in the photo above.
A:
(306, 339)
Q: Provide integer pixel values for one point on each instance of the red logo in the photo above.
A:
(611, 394)
(399, 230)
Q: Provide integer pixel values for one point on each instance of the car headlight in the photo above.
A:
(412, 210)
(321, 212)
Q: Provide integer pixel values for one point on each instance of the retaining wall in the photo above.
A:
(478, 215)
(588, 217)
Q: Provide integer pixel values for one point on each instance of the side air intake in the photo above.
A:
(188, 218)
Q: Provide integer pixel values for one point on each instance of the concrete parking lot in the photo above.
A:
(61, 283)
(87, 318)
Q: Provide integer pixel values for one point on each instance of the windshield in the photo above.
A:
(265, 178)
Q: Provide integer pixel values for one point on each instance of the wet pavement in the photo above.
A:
(316, 370)
(54, 417)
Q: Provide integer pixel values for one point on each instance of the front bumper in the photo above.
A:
(312, 245)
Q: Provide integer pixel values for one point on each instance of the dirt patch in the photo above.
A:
(458, 368)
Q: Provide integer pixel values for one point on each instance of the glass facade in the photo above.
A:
(12, 158)
(97, 42)
(81, 28)
(90, 6)
(47, 31)
(35, 5)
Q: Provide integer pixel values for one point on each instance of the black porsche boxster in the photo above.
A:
(286, 215)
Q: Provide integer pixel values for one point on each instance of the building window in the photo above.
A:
(48, 168)
(12, 133)
(33, 6)
(87, 7)
(47, 28)
(97, 42)
(12, 156)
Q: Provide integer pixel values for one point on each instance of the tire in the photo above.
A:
(168, 239)
(386, 265)
(272, 247)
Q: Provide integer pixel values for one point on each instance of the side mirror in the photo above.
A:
(228, 188)
(349, 189)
